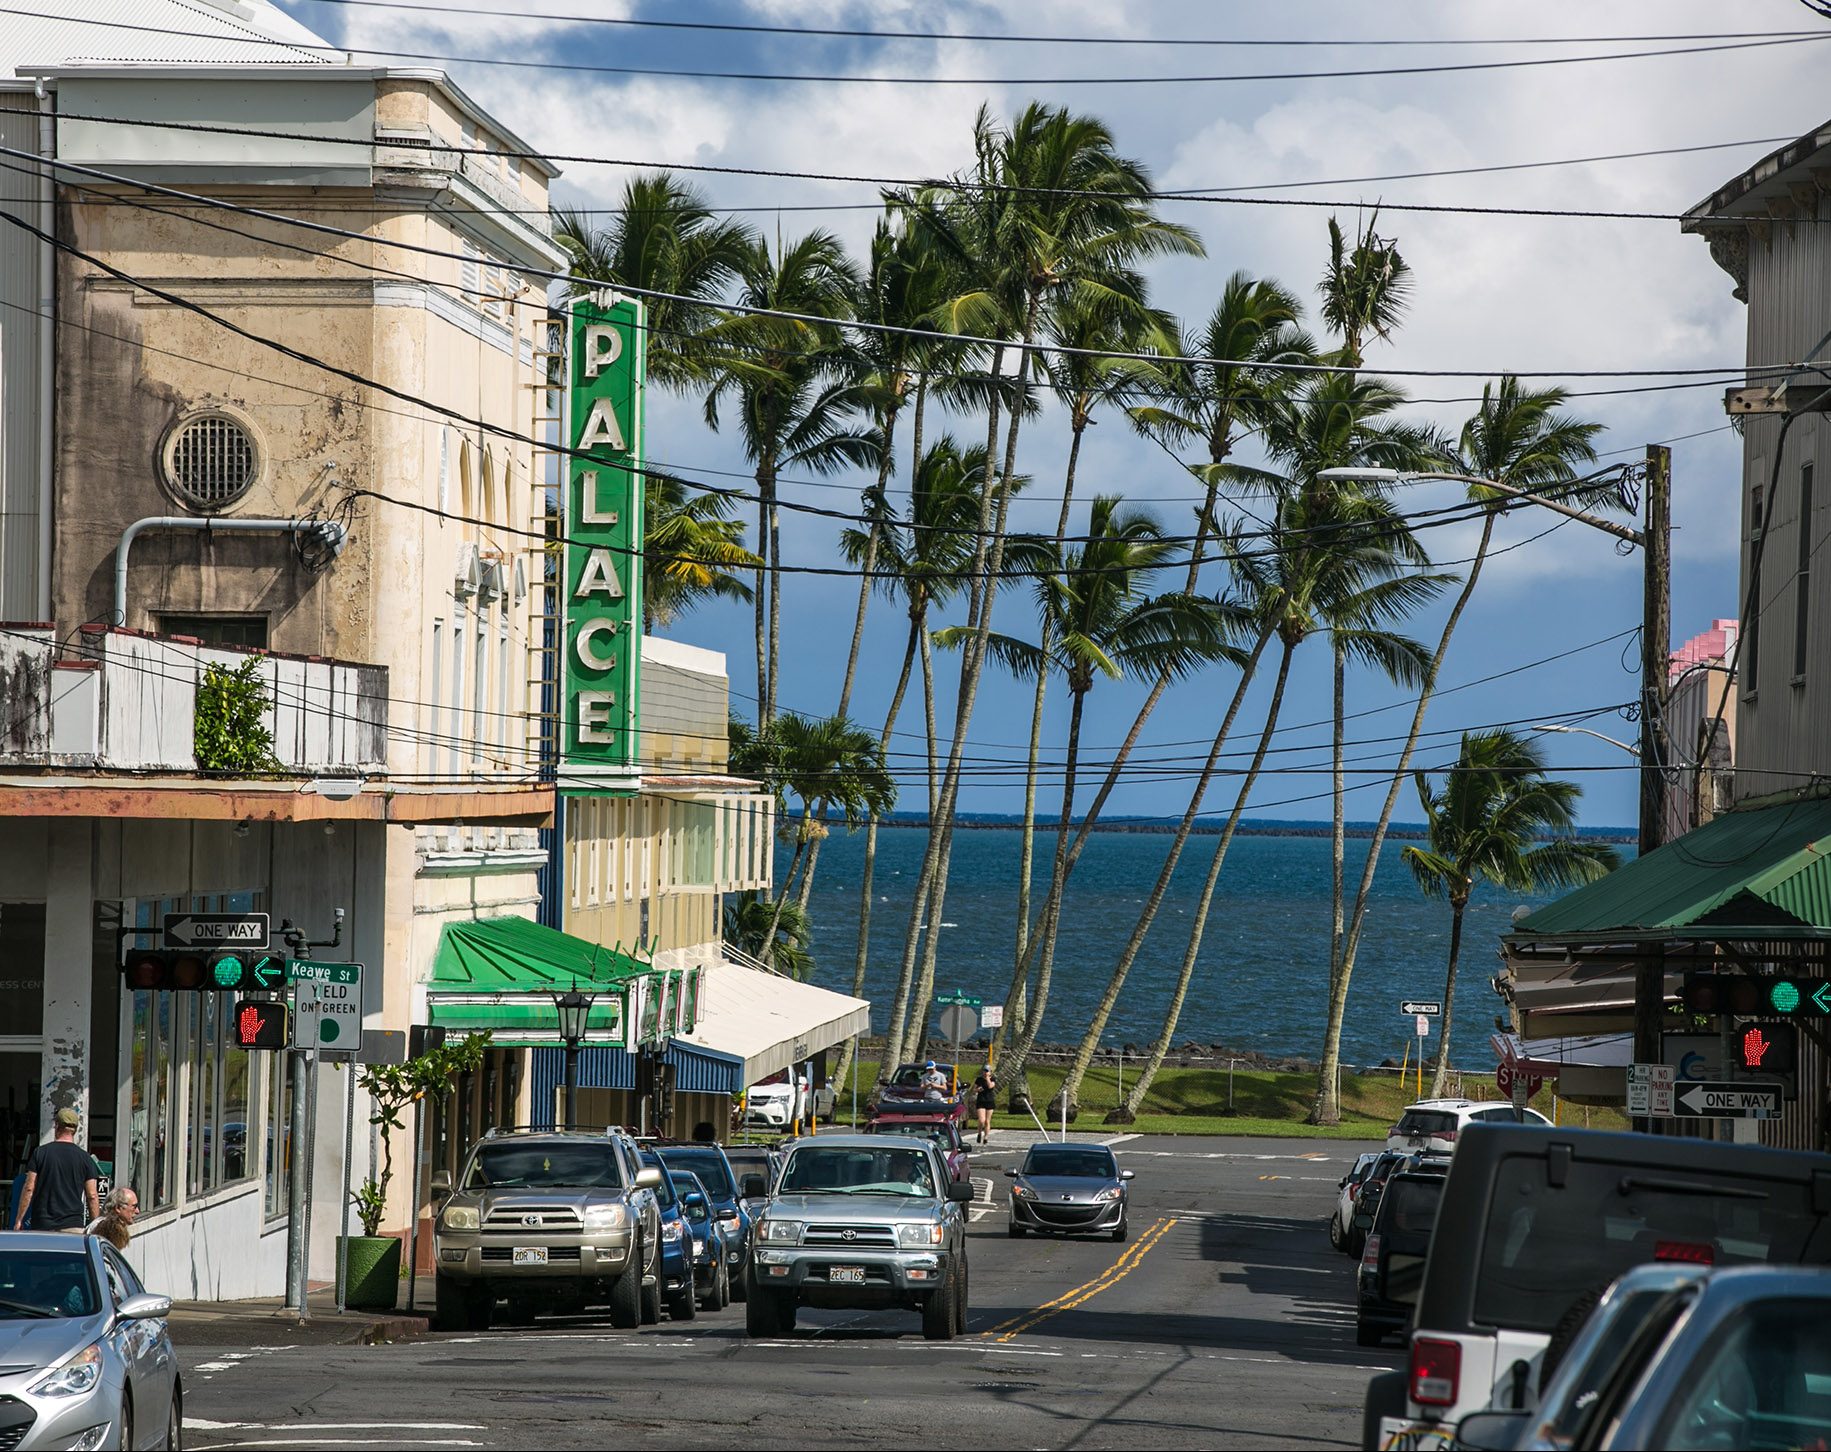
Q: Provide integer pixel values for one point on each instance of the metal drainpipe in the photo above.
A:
(332, 532)
(47, 345)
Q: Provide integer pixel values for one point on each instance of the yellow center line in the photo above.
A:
(1108, 1278)
(1126, 1255)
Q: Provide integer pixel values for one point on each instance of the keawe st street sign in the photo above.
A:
(1425, 1006)
(327, 1012)
(215, 930)
(1747, 1100)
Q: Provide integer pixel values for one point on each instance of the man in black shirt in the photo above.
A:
(60, 1187)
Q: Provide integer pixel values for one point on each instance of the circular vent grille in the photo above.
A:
(211, 460)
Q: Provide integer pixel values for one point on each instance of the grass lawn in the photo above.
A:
(1262, 1102)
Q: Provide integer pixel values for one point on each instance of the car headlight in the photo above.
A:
(1018, 1187)
(603, 1217)
(779, 1232)
(919, 1234)
(74, 1377)
(672, 1230)
(460, 1217)
(699, 1247)
(1111, 1192)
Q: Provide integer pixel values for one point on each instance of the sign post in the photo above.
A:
(599, 742)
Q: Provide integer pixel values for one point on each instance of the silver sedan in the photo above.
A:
(85, 1358)
(1070, 1189)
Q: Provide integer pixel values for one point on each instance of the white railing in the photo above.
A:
(123, 701)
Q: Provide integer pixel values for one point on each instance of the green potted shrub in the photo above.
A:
(372, 1264)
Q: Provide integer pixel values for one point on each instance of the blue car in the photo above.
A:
(714, 1170)
(677, 1278)
(709, 1238)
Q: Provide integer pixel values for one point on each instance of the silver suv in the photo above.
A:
(543, 1219)
(861, 1221)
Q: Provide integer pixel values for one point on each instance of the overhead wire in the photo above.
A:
(579, 67)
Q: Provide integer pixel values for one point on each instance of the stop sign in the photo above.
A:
(1504, 1076)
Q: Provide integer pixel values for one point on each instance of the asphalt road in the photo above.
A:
(1226, 1321)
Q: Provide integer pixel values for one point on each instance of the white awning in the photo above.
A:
(770, 1021)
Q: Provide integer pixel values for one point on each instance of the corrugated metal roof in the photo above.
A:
(1761, 873)
(234, 32)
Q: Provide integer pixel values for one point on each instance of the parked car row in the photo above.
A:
(1581, 1289)
(560, 1220)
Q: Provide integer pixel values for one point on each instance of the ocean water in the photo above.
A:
(1261, 980)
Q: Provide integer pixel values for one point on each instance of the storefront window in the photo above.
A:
(22, 968)
(276, 1157)
(151, 1136)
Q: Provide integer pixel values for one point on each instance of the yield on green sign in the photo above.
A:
(327, 1007)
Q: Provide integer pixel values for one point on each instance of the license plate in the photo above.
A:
(530, 1255)
(846, 1275)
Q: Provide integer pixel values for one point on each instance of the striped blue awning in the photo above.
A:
(696, 1071)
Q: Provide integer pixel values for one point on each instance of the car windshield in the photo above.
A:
(664, 1192)
(1071, 1162)
(709, 1165)
(853, 1170)
(914, 1127)
(41, 1285)
(1544, 1246)
(511, 1166)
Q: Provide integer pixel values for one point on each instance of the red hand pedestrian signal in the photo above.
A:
(260, 1024)
(1755, 1045)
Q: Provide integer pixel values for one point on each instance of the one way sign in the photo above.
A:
(1748, 1100)
(215, 930)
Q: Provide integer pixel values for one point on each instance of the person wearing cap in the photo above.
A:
(60, 1182)
(934, 1082)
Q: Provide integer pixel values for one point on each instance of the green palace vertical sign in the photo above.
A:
(600, 674)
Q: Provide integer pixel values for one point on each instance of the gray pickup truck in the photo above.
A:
(546, 1220)
(861, 1222)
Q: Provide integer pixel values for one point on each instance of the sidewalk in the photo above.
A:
(269, 1322)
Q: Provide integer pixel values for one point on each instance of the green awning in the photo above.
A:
(1764, 873)
(501, 974)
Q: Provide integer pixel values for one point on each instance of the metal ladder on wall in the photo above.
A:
(546, 561)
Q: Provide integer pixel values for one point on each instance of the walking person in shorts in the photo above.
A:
(985, 1099)
(60, 1185)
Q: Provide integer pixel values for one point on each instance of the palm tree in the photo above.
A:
(1331, 559)
(690, 547)
(795, 403)
(921, 558)
(1049, 210)
(1099, 621)
(1253, 325)
(776, 934)
(663, 238)
(1364, 290)
(1520, 438)
(1498, 819)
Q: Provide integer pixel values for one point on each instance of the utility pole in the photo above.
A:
(1655, 740)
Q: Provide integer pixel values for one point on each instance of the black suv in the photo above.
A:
(1392, 1263)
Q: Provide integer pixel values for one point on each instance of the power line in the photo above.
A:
(995, 38)
(851, 78)
(422, 146)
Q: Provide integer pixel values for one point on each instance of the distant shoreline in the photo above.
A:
(1355, 831)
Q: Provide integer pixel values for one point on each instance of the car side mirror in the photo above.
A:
(959, 1190)
(753, 1187)
(441, 1185)
(1128, 1174)
(728, 1213)
(648, 1178)
(1010, 1174)
(1491, 1431)
(144, 1307)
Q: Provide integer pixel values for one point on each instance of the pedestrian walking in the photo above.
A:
(116, 1222)
(59, 1188)
(985, 1099)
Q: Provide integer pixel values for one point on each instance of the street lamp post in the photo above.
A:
(574, 1009)
(1585, 731)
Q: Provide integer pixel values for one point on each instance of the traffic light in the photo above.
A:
(1752, 995)
(222, 971)
(1767, 1048)
(260, 1024)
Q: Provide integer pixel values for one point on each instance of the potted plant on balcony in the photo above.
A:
(372, 1260)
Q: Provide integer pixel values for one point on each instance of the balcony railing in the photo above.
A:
(122, 701)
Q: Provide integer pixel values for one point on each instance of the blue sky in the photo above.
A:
(1490, 293)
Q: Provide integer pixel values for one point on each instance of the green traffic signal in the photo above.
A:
(226, 971)
(1784, 996)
